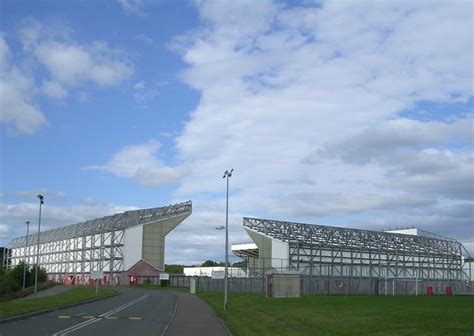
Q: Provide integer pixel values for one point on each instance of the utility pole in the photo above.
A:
(41, 197)
(227, 175)
(26, 254)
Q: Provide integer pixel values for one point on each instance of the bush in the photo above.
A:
(11, 280)
(27, 291)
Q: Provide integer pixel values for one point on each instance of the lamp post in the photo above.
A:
(26, 254)
(227, 175)
(41, 197)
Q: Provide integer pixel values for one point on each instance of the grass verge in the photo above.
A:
(345, 315)
(170, 288)
(29, 305)
(25, 292)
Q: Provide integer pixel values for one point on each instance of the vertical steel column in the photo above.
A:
(112, 258)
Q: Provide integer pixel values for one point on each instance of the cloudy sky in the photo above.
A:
(354, 114)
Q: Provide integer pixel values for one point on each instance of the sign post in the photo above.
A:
(164, 279)
(97, 275)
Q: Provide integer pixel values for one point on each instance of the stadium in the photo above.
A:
(129, 248)
(124, 247)
(353, 261)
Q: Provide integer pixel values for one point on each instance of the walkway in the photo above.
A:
(195, 317)
(55, 290)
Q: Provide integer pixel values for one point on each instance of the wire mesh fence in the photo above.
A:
(334, 285)
(331, 280)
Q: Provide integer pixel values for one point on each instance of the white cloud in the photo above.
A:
(307, 105)
(17, 91)
(144, 38)
(133, 7)
(144, 95)
(196, 239)
(54, 90)
(71, 63)
(140, 162)
(48, 195)
(380, 141)
(4, 231)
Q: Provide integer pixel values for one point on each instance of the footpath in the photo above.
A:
(55, 290)
(194, 316)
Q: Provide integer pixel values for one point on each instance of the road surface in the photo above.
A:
(133, 312)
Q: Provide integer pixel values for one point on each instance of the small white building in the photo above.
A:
(215, 272)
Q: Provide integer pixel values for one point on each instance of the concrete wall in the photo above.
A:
(153, 249)
(282, 284)
(132, 246)
(264, 244)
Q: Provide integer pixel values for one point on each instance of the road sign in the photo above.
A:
(97, 275)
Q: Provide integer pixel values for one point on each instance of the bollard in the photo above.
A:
(429, 291)
(449, 291)
(192, 285)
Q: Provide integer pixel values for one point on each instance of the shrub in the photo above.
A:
(11, 280)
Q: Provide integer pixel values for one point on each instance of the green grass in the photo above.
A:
(169, 288)
(345, 315)
(28, 305)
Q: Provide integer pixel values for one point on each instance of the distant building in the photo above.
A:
(215, 272)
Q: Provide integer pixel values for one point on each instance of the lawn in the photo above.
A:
(28, 305)
(169, 288)
(346, 315)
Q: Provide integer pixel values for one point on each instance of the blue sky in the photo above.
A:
(356, 114)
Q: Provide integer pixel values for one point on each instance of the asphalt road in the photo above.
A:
(132, 312)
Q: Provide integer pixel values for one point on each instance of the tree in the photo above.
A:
(209, 263)
(11, 280)
(241, 264)
(42, 275)
(174, 269)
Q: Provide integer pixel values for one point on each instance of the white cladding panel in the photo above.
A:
(280, 253)
(132, 246)
(412, 231)
(247, 246)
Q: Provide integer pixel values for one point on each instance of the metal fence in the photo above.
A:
(330, 282)
(333, 285)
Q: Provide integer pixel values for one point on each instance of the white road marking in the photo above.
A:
(171, 317)
(100, 317)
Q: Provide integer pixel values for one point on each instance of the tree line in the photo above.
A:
(11, 279)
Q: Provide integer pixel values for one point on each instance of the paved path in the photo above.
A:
(55, 290)
(195, 317)
(134, 311)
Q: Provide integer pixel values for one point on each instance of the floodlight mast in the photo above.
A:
(26, 247)
(41, 197)
(227, 175)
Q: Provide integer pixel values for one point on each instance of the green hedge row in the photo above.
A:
(11, 279)
(25, 292)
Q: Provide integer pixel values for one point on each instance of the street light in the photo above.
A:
(26, 255)
(41, 197)
(227, 175)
